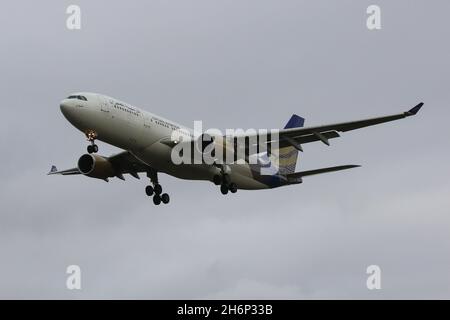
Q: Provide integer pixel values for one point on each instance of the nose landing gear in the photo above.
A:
(156, 189)
(93, 148)
(91, 136)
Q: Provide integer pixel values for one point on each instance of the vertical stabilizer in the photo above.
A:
(288, 155)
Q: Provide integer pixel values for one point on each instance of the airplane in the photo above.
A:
(147, 143)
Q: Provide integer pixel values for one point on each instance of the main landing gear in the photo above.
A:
(155, 189)
(91, 136)
(225, 183)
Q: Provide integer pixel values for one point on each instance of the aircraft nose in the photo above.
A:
(66, 107)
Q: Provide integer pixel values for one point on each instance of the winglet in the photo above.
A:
(414, 110)
(52, 170)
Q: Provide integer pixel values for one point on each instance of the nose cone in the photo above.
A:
(66, 108)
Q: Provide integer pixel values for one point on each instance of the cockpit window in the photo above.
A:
(77, 97)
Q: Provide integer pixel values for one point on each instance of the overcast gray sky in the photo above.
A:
(232, 64)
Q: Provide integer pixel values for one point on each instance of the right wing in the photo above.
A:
(123, 163)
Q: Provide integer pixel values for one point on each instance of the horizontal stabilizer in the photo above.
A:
(294, 177)
(54, 170)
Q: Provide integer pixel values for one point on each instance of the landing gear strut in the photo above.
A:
(155, 189)
(91, 136)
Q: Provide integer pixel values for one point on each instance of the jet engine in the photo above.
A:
(95, 166)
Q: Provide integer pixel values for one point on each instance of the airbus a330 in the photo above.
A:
(147, 141)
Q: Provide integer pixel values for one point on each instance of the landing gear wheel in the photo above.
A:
(149, 190)
(156, 199)
(93, 148)
(165, 198)
(158, 189)
(224, 189)
(217, 179)
(232, 187)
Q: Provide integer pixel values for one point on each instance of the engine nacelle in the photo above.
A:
(95, 166)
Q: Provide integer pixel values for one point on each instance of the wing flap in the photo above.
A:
(284, 141)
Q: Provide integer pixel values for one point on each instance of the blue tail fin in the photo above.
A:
(288, 155)
(295, 122)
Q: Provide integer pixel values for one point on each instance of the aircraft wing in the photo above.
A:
(123, 162)
(126, 162)
(297, 136)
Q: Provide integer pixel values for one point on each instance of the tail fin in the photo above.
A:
(288, 155)
(295, 122)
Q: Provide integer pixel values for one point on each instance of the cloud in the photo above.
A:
(241, 65)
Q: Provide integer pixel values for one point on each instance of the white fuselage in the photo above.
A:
(140, 132)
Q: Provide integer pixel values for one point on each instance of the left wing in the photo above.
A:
(297, 136)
